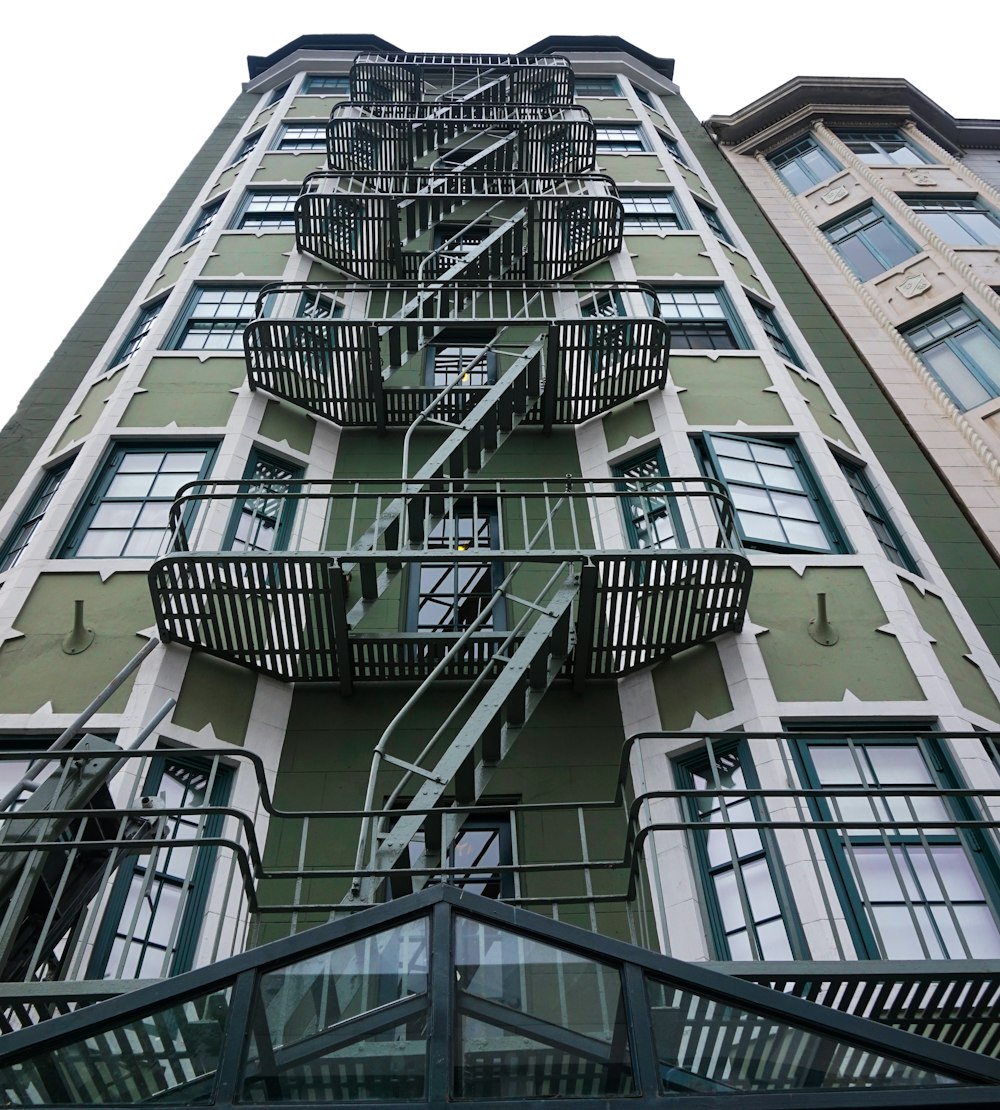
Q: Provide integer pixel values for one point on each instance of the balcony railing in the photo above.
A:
(596, 870)
(279, 602)
(541, 79)
(513, 226)
(365, 368)
(393, 138)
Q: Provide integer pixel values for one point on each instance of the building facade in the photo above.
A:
(890, 204)
(473, 501)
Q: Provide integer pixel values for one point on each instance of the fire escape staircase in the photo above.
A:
(580, 608)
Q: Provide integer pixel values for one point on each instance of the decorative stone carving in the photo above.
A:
(920, 177)
(914, 286)
(831, 196)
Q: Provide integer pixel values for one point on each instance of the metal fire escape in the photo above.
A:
(459, 202)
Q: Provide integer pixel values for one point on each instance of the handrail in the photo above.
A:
(450, 289)
(681, 494)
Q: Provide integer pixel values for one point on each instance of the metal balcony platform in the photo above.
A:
(299, 613)
(342, 368)
(393, 138)
(534, 79)
(512, 226)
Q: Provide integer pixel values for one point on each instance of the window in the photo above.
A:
(960, 222)
(29, 520)
(673, 147)
(597, 86)
(651, 212)
(803, 164)
(448, 596)
(267, 211)
(216, 318)
(909, 893)
(700, 320)
(327, 83)
(651, 521)
(878, 518)
(775, 333)
(620, 138)
(126, 512)
(301, 136)
(482, 844)
(246, 146)
(276, 95)
(137, 936)
(645, 97)
(262, 520)
(962, 352)
(468, 358)
(200, 225)
(777, 501)
(713, 221)
(880, 147)
(138, 332)
(739, 868)
(869, 242)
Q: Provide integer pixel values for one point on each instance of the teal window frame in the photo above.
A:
(960, 221)
(203, 221)
(774, 331)
(326, 84)
(277, 94)
(133, 870)
(878, 517)
(900, 849)
(883, 147)
(645, 97)
(652, 210)
(263, 511)
(451, 351)
(467, 585)
(214, 318)
(29, 519)
(484, 840)
(621, 138)
(644, 513)
(246, 146)
(803, 164)
(113, 505)
(718, 228)
(869, 242)
(136, 335)
(301, 135)
(606, 86)
(673, 147)
(961, 351)
(701, 318)
(266, 210)
(742, 864)
(769, 479)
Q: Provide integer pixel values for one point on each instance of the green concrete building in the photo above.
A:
(472, 626)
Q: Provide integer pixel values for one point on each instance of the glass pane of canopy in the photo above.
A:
(525, 1009)
(704, 1044)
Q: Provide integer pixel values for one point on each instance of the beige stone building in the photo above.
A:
(890, 205)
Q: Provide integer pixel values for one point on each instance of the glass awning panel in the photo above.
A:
(448, 996)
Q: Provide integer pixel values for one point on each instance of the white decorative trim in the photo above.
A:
(973, 438)
(891, 199)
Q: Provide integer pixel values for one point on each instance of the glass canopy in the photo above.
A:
(447, 996)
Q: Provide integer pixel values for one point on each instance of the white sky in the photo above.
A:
(107, 101)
